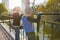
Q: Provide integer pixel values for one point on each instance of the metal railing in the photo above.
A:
(45, 30)
(49, 30)
(7, 35)
(8, 26)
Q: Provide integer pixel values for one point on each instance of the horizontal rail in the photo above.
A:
(40, 21)
(35, 14)
(4, 21)
(50, 22)
(48, 14)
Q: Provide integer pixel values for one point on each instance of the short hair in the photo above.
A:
(28, 10)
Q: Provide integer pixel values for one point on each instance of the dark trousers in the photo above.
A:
(16, 33)
(31, 36)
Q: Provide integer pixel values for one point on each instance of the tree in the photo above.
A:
(52, 6)
(3, 8)
(3, 12)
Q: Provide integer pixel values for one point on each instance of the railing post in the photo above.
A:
(9, 26)
(38, 30)
(52, 32)
(42, 31)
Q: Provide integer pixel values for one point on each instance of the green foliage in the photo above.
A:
(3, 8)
(53, 6)
(39, 8)
(3, 12)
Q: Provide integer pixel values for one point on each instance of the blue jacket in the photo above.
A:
(27, 23)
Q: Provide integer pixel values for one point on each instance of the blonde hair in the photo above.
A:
(16, 9)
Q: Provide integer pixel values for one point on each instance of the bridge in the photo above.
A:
(44, 30)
